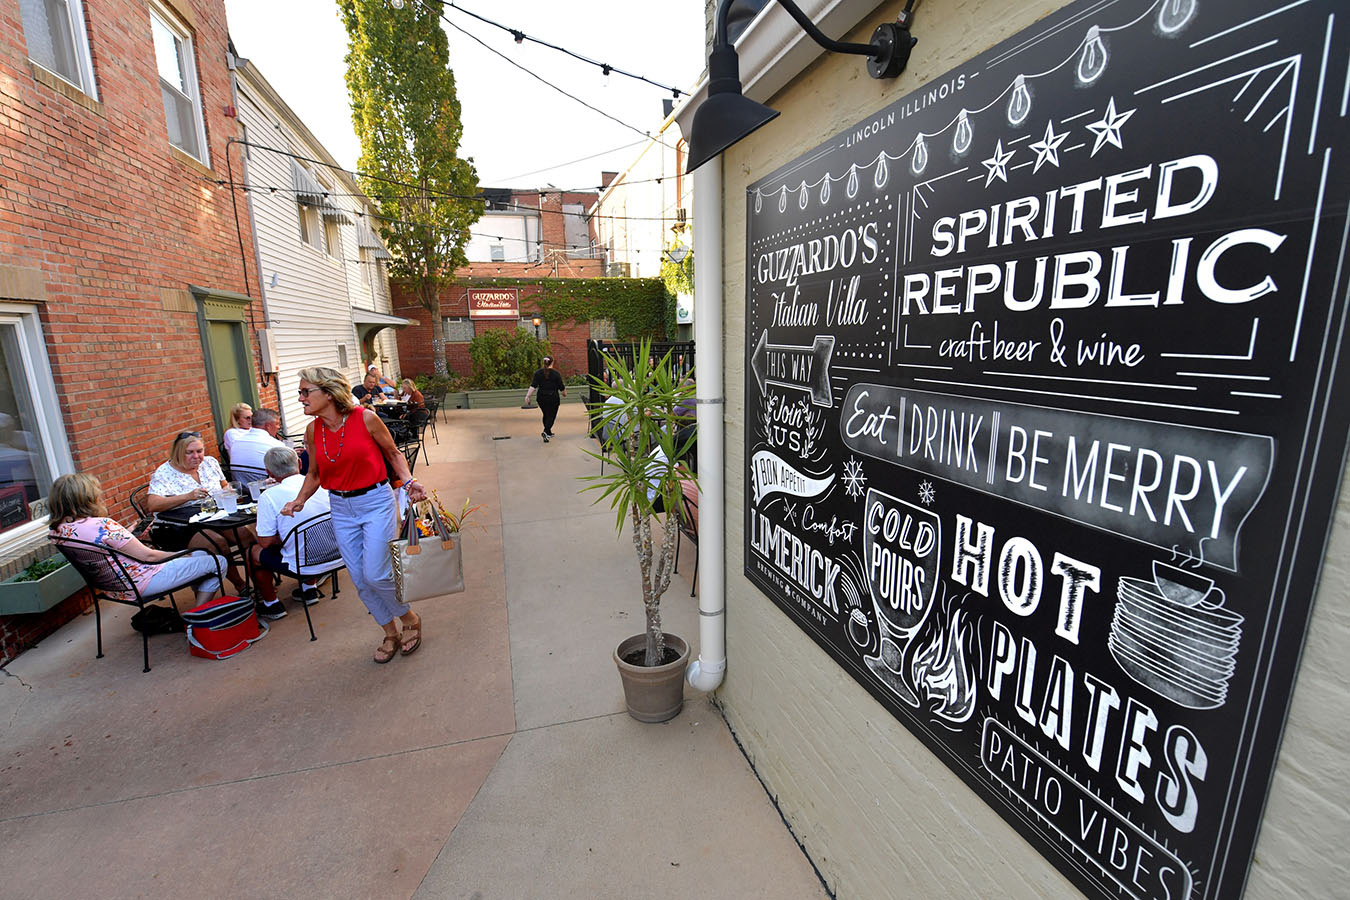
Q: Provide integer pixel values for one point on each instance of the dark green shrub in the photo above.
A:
(505, 358)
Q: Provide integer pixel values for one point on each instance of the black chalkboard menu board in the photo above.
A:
(1046, 413)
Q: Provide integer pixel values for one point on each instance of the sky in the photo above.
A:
(517, 129)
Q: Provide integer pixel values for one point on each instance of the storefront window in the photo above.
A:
(33, 448)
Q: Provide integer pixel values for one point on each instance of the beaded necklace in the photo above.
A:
(323, 439)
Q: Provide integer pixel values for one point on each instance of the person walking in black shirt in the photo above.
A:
(549, 383)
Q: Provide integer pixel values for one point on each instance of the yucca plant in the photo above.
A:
(637, 428)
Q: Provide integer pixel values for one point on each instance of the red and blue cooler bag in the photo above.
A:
(223, 627)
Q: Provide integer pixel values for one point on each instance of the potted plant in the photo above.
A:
(644, 467)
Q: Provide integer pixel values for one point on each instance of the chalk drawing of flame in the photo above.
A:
(942, 673)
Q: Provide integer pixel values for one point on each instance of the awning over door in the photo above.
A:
(368, 322)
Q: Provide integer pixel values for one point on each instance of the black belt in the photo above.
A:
(359, 491)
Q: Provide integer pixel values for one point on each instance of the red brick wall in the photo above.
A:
(567, 339)
(116, 221)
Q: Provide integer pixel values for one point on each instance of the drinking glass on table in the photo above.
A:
(209, 503)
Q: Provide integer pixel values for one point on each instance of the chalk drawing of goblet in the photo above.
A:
(901, 550)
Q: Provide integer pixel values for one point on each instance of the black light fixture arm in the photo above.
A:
(887, 53)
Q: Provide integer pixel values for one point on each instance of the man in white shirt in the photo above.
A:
(248, 449)
(275, 551)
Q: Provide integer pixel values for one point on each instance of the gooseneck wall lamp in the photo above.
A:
(726, 115)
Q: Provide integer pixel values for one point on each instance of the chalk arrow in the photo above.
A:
(798, 368)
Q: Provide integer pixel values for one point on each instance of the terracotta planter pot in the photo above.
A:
(654, 693)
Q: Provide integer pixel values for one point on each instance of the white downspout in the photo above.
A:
(705, 673)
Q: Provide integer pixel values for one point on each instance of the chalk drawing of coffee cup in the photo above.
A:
(902, 549)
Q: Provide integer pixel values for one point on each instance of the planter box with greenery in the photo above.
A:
(39, 587)
(638, 429)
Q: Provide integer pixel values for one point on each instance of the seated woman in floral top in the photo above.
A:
(188, 477)
(78, 512)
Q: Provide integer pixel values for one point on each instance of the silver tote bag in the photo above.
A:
(426, 567)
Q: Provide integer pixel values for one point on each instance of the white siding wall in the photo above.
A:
(518, 234)
(635, 215)
(309, 307)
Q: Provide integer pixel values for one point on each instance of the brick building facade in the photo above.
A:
(123, 296)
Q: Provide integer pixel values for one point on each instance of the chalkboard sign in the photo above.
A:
(1046, 412)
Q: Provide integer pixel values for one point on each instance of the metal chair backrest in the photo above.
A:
(316, 546)
(418, 420)
(410, 451)
(689, 518)
(432, 406)
(247, 474)
(100, 567)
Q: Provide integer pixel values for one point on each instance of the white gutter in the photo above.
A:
(773, 50)
(705, 673)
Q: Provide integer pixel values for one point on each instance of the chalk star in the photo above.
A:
(1107, 128)
(1047, 148)
(997, 164)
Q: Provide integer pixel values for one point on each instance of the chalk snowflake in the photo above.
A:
(926, 493)
(855, 482)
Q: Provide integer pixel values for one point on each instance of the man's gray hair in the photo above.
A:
(281, 462)
(264, 417)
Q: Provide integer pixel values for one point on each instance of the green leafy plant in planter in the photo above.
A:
(41, 568)
(643, 471)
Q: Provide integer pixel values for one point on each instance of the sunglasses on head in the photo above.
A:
(188, 434)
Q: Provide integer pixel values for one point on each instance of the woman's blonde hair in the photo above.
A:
(236, 411)
(74, 497)
(178, 452)
(333, 383)
(409, 384)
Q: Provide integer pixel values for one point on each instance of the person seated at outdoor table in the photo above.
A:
(249, 448)
(368, 391)
(189, 477)
(78, 512)
(386, 385)
(241, 420)
(410, 395)
(275, 551)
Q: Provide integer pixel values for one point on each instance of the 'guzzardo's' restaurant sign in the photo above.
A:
(494, 303)
(1046, 414)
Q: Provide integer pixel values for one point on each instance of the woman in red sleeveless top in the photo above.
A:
(349, 448)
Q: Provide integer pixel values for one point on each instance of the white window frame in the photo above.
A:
(497, 252)
(332, 237)
(79, 39)
(55, 446)
(194, 94)
(458, 322)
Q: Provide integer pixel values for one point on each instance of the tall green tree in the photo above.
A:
(408, 119)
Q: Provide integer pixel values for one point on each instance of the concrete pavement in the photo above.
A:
(497, 762)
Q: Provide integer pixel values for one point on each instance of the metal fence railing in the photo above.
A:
(681, 355)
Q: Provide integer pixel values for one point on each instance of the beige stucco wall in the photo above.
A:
(877, 812)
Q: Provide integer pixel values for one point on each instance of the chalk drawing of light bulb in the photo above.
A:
(1019, 107)
(882, 173)
(1092, 61)
(803, 197)
(759, 200)
(919, 161)
(1175, 15)
(852, 187)
(964, 134)
(782, 199)
(825, 190)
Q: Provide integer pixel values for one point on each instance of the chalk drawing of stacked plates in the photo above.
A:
(1172, 635)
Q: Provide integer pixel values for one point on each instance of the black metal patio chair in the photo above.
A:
(144, 517)
(316, 554)
(418, 420)
(104, 570)
(433, 406)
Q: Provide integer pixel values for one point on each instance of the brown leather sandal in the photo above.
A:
(392, 642)
(411, 638)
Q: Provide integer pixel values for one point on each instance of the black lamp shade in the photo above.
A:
(726, 115)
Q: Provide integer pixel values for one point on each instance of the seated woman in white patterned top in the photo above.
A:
(188, 477)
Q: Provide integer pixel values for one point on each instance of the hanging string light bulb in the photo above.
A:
(883, 172)
(919, 160)
(825, 190)
(802, 197)
(1175, 15)
(782, 199)
(964, 134)
(1092, 61)
(759, 200)
(1019, 107)
(852, 187)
